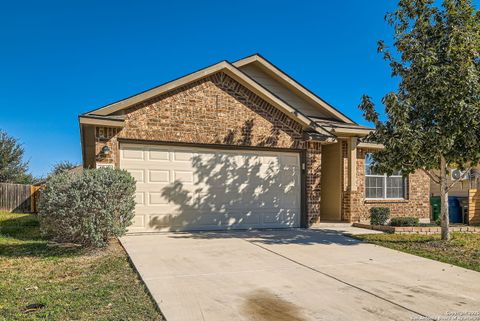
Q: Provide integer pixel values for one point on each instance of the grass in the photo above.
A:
(65, 283)
(462, 250)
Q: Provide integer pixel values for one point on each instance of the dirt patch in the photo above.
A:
(263, 305)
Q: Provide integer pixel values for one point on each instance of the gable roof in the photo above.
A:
(108, 114)
(281, 76)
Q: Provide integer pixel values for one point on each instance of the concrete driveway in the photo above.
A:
(295, 275)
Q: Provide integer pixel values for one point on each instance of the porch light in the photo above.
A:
(105, 150)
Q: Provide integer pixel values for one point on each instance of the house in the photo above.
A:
(462, 196)
(241, 145)
(471, 180)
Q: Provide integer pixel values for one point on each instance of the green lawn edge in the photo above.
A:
(462, 250)
(67, 283)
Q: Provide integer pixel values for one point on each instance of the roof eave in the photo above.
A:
(227, 68)
(171, 85)
(89, 120)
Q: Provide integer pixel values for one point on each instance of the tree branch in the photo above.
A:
(433, 177)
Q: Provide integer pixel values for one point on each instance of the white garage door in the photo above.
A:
(186, 188)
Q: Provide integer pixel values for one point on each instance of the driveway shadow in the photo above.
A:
(279, 236)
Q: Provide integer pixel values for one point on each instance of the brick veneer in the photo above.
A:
(216, 110)
(356, 208)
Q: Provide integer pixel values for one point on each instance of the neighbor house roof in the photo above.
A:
(111, 114)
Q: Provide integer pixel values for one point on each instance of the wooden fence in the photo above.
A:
(18, 198)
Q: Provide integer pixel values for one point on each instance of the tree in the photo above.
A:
(61, 167)
(12, 167)
(433, 119)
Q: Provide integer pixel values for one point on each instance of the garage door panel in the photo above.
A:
(137, 174)
(158, 154)
(246, 218)
(159, 222)
(181, 188)
(158, 176)
(166, 222)
(290, 161)
(272, 218)
(183, 176)
(182, 156)
(138, 222)
(139, 198)
(157, 198)
(133, 153)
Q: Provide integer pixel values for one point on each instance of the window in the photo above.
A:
(379, 185)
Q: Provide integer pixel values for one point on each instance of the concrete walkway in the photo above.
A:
(295, 275)
(343, 228)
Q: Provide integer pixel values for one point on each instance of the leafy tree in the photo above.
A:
(433, 119)
(62, 167)
(12, 167)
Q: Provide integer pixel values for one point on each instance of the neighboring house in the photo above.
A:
(460, 189)
(242, 145)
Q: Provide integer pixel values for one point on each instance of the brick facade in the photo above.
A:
(355, 208)
(216, 110)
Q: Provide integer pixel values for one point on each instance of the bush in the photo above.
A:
(87, 208)
(379, 215)
(404, 221)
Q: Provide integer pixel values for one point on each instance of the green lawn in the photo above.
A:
(462, 250)
(68, 283)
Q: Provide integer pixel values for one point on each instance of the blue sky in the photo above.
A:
(61, 58)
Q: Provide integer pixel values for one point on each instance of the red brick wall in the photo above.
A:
(357, 209)
(216, 110)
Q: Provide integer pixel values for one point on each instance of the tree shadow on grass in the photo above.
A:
(36, 249)
(20, 227)
(20, 237)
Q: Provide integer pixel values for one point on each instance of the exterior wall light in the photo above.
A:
(105, 150)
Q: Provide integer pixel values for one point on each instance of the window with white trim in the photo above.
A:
(381, 186)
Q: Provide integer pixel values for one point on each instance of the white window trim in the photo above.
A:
(384, 190)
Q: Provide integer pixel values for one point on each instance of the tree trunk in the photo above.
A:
(444, 199)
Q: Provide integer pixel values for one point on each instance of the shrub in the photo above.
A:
(87, 208)
(379, 215)
(404, 221)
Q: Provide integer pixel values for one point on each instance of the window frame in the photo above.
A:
(385, 187)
